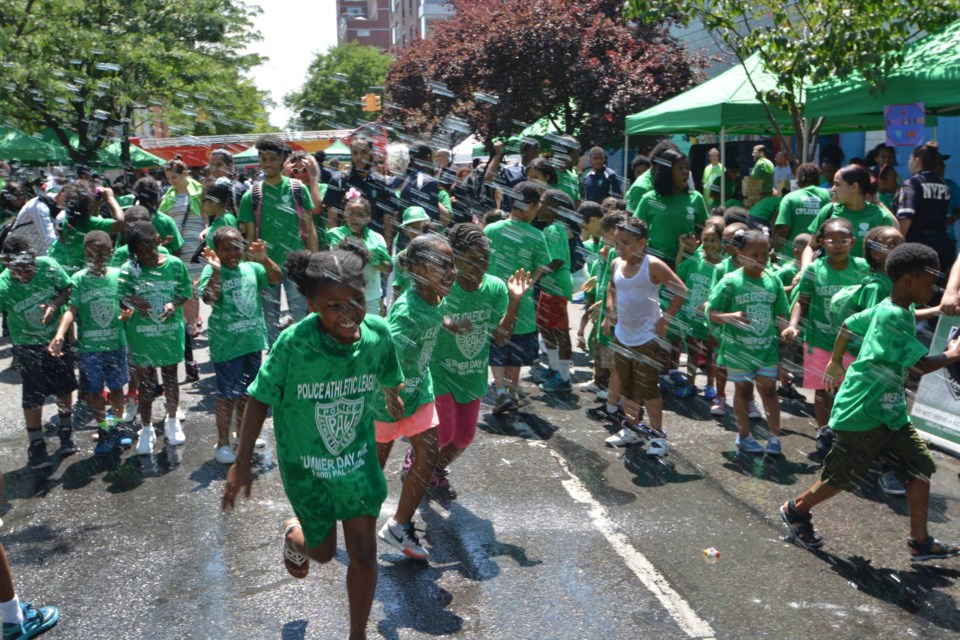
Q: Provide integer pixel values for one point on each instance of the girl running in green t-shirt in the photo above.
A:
(323, 378)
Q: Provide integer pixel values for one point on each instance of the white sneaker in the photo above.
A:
(657, 447)
(260, 443)
(753, 411)
(130, 410)
(403, 538)
(174, 431)
(624, 438)
(719, 406)
(225, 455)
(181, 415)
(602, 395)
(147, 440)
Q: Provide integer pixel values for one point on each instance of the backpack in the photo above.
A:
(256, 199)
(578, 254)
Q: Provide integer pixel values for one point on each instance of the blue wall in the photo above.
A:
(948, 136)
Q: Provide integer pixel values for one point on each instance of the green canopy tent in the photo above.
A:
(246, 157)
(337, 150)
(108, 157)
(930, 74)
(543, 130)
(17, 146)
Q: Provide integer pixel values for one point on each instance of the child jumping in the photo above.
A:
(869, 414)
(238, 333)
(635, 319)
(322, 379)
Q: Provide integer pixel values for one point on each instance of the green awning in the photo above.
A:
(16, 146)
(337, 150)
(108, 157)
(246, 157)
(729, 101)
(930, 74)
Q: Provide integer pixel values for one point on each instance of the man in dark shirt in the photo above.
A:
(923, 206)
(600, 181)
(507, 177)
(364, 179)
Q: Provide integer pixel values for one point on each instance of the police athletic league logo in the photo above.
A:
(760, 316)
(34, 316)
(337, 423)
(102, 312)
(156, 302)
(470, 344)
(245, 299)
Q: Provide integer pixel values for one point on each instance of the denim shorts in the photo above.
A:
(104, 368)
(234, 376)
(43, 375)
(520, 351)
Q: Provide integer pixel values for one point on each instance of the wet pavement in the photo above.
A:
(554, 536)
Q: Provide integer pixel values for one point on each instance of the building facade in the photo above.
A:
(411, 19)
(365, 21)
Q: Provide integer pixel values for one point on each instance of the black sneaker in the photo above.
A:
(504, 403)
(37, 456)
(600, 414)
(68, 445)
(193, 372)
(789, 392)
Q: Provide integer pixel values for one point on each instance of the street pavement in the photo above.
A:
(553, 536)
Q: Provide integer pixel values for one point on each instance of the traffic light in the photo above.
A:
(370, 102)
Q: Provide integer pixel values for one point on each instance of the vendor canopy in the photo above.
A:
(930, 74)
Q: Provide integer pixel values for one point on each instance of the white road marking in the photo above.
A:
(678, 608)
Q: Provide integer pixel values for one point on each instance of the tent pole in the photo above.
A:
(626, 146)
(935, 133)
(723, 163)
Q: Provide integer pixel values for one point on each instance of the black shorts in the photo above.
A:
(520, 351)
(43, 375)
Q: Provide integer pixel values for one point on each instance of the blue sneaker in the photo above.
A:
(709, 393)
(106, 442)
(543, 375)
(556, 384)
(678, 378)
(685, 391)
(35, 622)
(749, 444)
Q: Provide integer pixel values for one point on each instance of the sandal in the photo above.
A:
(931, 549)
(801, 526)
(293, 560)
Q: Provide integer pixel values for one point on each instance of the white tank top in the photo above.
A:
(638, 305)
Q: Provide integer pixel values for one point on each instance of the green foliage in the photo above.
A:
(335, 81)
(75, 65)
(804, 43)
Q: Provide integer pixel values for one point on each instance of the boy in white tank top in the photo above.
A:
(635, 320)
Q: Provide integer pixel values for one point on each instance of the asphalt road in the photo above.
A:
(553, 536)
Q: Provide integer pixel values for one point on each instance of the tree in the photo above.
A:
(498, 64)
(807, 43)
(86, 67)
(335, 82)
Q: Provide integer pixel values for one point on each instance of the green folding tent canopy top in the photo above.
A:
(337, 150)
(17, 146)
(930, 74)
(109, 154)
(246, 157)
(728, 102)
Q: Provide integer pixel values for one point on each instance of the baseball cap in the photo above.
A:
(414, 214)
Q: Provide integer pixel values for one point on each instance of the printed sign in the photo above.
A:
(905, 124)
(936, 410)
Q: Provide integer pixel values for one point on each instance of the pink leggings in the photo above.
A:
(458, 422)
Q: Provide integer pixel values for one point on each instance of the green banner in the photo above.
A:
(936, 410)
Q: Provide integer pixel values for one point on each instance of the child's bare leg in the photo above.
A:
(359, 536)
(673, 360)
(711, 364)
(694, 351)
(631, 410)
(613, 390)
(425, 454)
(742, 392)
(171, 389)
(97, 406)
(918, 500)
(512, 378)
(654, 407)
(224, 412)
(499, 377)
(821, 491)
(767, 388)
(721, 382)
(822, 404)
(116, 402)
(239, 406)
(322, 554)
(383, 452)
(145, 396)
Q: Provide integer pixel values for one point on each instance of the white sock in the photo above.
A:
(612, 408)
(11, 611)
(564, 369)
(553, 357)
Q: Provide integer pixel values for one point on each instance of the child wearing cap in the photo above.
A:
(415, 222)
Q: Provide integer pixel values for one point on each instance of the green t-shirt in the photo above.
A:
(21, 302)
(560, 282)
(763, 169)
(122, 254)
(591, 247)
(766, 209)
(710, 172)
(697, 274)
(156, 343)
(603, 283)
(459, 364)
(569, 183)
(798, 208)
(236, 319)
(98, 311)
(819, 282)
(401, 277)
(763, 300)
(877, 287)
(376, 246)
(787, 272)
(324, 395)
(867, 218)
(517, 245)
(126, 201)
(224, 220)
(873, 391)
(668, 218)
(640, 187)
(415, 326)
(279, 224)
(444, 198)
(167, 228)
(68, 249)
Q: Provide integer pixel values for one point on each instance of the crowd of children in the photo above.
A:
(398, 339)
